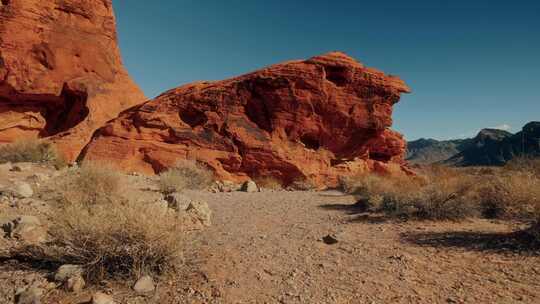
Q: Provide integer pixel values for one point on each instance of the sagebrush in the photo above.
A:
(92, 184)
(118, 240)
(31, 150)
(184, 175)
(112, 238)
(441, 193)
(268, 182)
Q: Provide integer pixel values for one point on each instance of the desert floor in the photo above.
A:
(267, 247)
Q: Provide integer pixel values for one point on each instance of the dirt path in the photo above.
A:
(266, 248)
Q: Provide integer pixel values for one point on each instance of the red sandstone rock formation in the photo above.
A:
(315, 119)
(61, 75)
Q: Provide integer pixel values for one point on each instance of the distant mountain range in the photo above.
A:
(491, 147)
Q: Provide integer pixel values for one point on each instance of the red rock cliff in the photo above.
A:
(61, 75)
(317, 119)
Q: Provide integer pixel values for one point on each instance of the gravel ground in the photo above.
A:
(268, 247)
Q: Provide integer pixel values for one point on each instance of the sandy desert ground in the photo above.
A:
(268, 247)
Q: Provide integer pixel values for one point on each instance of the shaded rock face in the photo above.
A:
(490, 147)
(496, 147)
(430, 151)
(313, 120)
(61, 74)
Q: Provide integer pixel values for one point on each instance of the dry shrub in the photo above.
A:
(438, 195)
(31, 150)
(269, 182)
(117, 240)
(302, 184)
(524, 164)
(452, 194)
(94, 226)
(92, 184)
(184, 175)
(509, 195)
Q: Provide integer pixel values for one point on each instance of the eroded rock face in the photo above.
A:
(313, 120)
(61, 74)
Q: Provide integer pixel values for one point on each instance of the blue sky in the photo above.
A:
(470, 64)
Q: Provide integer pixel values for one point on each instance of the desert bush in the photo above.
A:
(302, 184)
(91, 184)
(512, 195)
(184, 175)
(31, 150)
(112, 241)
(524, 164)
(452, 194)
(268, 182)
(440, 194)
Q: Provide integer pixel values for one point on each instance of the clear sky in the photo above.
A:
(471, 64)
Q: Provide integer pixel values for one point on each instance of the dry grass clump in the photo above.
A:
(94, 226)
(439, 197)
(91, 184)
(31, 150)
(184, 175)
(117, 240)
(442, 193)
(524, 164)
(268, 182)
(302, 184)
(509, 195)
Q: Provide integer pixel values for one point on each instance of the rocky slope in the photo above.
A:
(491, 147)
(495, 147)
(428, 151)
(61, 75)
(313, 119)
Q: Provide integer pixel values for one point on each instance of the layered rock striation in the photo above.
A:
(61, 74)
(312, 120)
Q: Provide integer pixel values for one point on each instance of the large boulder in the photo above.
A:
(61, 75)
(313, 120)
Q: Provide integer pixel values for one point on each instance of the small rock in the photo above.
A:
(102, 298)
(32, 295)
(75, 284)
(250, 186)
(226, 186)
(144, 285)
(23, 190)
(28, 229)
(194, 211)
(200, 211)
(330, 239)
(67, 271)
(6, 224)
(177, 201)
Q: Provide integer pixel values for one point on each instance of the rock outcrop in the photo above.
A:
(490, 147)
(61, 75)
(311, 120)
(493, 147)
(429, 151)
